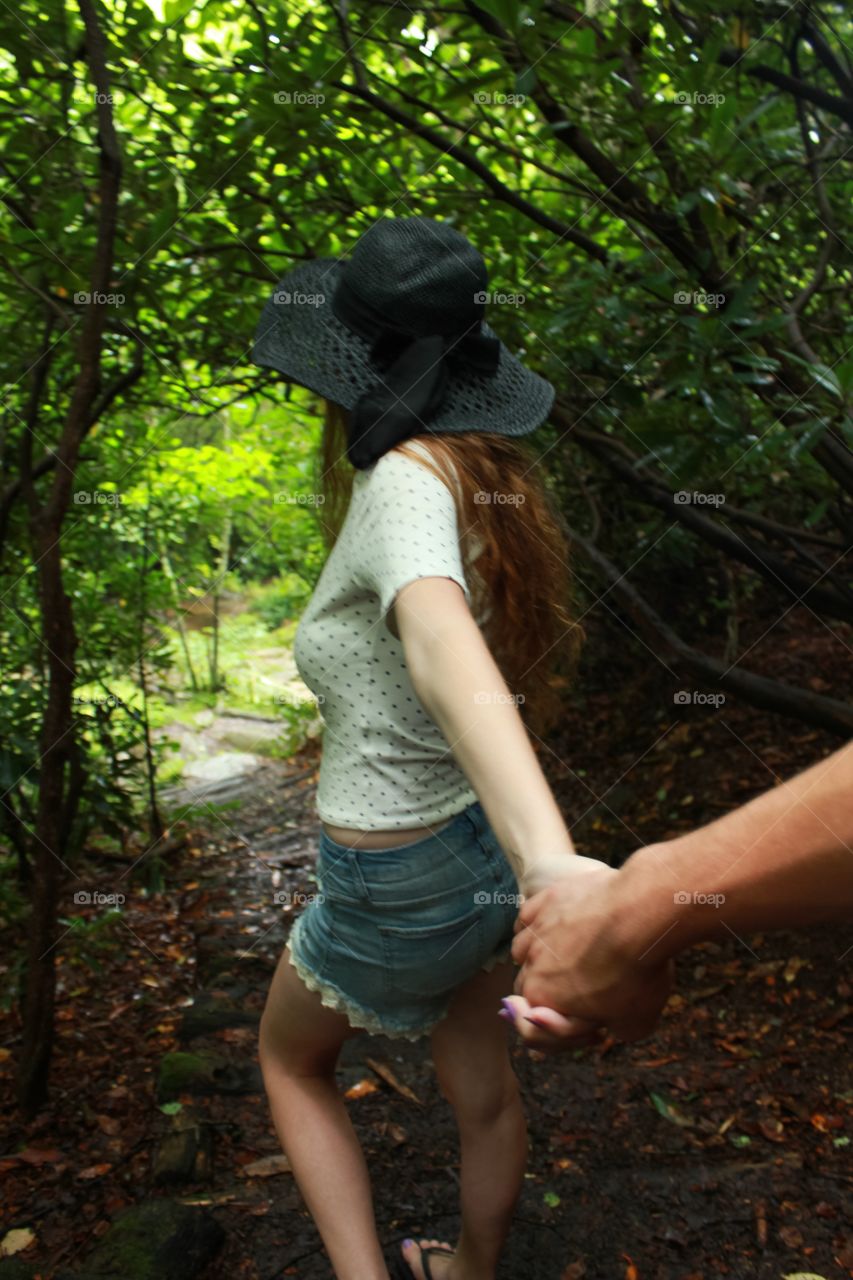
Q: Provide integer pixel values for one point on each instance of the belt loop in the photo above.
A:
(359, 881)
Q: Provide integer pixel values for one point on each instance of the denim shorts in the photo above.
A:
(393, 932)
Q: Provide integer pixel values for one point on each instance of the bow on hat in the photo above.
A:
(413, 377)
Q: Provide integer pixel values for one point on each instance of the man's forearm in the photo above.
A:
(783, 860)
(468, 699)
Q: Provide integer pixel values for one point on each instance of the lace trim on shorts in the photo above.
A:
(357, 1016)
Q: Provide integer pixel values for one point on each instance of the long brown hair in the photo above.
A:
(504, 507)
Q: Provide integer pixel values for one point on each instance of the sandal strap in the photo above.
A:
(425, 1257)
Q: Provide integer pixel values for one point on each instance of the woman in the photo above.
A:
(434, 810)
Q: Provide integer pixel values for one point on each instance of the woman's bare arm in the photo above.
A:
(461, 687)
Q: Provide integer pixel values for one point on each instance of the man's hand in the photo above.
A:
(578, 960)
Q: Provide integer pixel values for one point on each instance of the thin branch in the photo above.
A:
(758, 691)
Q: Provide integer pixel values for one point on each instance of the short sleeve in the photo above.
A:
(409, 530)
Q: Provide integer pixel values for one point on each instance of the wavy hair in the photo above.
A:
(511, 532)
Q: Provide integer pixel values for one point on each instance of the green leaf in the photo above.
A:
(821, 373)
(506, 11)
(551, 1199)
(670, 1112)
(525, 81)
(171, 1108)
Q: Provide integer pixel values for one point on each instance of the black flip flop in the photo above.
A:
(405, 1272)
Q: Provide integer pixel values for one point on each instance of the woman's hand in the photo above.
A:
(547, 870)
(579, 958)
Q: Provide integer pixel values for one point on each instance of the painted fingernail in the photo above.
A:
(506, 1015)
(406, 1243)
(508, 1007)
(536, 1022)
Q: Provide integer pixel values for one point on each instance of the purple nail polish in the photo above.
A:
(407, 1242)
(506, 1004)
(506, 1015)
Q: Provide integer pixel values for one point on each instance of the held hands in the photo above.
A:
(580, 967)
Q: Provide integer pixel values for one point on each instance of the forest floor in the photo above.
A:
(718, 1147)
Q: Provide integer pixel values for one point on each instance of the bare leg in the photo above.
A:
(471, 1055)
(299, 1045)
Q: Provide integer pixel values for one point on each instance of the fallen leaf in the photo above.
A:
(395, 1132)
(238, 1035)
(792, 1237)
(16, 1240)
(574, 1271)
(94, 1171)
(823, 1124)
(793, 967)
(737, 1050)
(773, 1130)
(360, 1089)
(39, 1155)
(267, 1167)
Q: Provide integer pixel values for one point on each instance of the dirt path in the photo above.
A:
(719, 1148)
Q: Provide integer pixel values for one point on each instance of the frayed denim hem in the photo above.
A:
(365, 1019)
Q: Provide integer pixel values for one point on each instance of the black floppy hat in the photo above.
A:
(395, 334)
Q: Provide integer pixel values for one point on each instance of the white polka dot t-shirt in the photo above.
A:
(385, 764)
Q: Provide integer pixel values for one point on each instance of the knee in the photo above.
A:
(481, 1102)
(284, 1055)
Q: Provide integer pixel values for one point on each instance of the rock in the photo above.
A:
(204, 1073)
(157, 1240)
(185, 1154)
(208, 1014)
(204, 718)
(228, 764)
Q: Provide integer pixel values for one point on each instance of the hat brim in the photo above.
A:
(299, 335)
